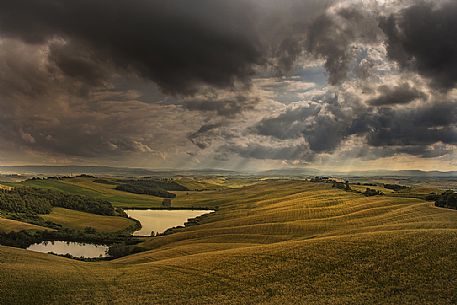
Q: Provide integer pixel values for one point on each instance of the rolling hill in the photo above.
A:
(273, 242)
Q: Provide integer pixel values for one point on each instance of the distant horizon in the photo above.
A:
(278, 169)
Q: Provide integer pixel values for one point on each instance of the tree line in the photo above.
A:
(35, 201)
(159, 188)
(447, 199)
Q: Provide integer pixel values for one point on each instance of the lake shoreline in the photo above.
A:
(158, 221)
(171, 208)
(77, 250)
(121, 241)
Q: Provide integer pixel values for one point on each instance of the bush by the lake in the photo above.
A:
(124, 249)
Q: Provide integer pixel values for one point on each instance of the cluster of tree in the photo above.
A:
(320, 179)
(49, 178)
(336, 184)
(85, 204)
(170, 185)
(141, 189)
(395, 187)
(372, 192)
(448, 199)
(41, 201)
(159, 188)
(432, 197)
(124, 248)
(165, 184)
(85, 176)
(366, 184)
(342, 185)
(21, 239)
(24, 201)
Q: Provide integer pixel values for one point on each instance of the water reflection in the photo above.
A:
(158, 221)
(73, 248)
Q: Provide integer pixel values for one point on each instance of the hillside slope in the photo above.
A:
(275, 242)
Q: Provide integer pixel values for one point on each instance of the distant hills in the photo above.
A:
(372, 173)
(107, 170)
(142, 172)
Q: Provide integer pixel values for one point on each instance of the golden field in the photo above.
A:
(271, 242)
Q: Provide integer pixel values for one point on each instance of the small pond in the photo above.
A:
(161, 220)
(75, 249)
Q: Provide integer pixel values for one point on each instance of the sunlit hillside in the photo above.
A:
(273, 242)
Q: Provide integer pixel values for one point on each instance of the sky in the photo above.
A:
(239, 84)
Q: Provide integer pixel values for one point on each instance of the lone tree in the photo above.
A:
(166, 203)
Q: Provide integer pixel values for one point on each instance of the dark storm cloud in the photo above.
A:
(73, 77)
(179, 45)
(79, 62)
(288, 125)
(205, 135)
(89, 135)
(401, 94)
(372, 153)
(227, 107)
(59, 60)
(423, 37)
(397, 131)
(20, 72)
(323, 124)
(176, 44)
(409, 129)
(332, 36)
(326, 134)
(418, 126)
(422, 151)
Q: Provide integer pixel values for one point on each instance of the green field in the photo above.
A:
(86, 186)
(208, 195)
(80, 220)
(275, 242)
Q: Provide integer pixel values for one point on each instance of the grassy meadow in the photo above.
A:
(87, 187)
(10, 225)
(269, 242)
(78, 220)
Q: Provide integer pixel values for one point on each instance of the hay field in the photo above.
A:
(10, 225)
(275, 242)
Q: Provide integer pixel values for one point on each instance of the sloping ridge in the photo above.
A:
(302, 244)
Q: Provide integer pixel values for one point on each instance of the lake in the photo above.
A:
(151, 220)
(75, 249)
(161, 220)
